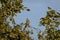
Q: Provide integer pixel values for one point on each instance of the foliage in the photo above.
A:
(9, 8)
(51, 23)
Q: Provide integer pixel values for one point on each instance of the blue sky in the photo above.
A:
(38, 10)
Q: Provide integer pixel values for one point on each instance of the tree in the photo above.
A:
(9, 8)
(51, 23)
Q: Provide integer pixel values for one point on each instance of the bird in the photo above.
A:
(27, 23)
(12, 19)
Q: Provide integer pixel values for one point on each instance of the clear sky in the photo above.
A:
(38, 10)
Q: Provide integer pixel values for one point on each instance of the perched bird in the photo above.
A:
(27, 24)
(12, 19)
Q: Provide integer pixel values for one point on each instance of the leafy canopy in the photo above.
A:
(9, 8)
(51, 22)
